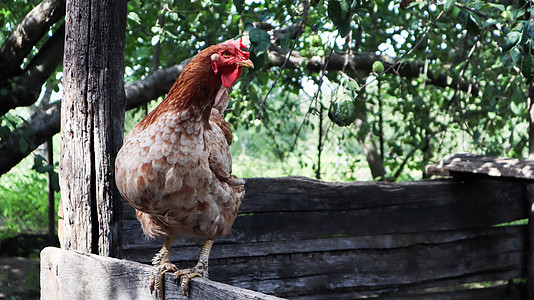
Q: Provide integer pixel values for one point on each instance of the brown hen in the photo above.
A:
(175, 167)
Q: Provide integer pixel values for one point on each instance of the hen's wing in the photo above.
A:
(219, 139)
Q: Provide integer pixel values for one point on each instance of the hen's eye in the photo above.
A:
(226, 54)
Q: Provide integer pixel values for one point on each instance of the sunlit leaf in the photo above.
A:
(511, 40)
(134, 17)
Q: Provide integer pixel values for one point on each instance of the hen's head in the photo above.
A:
(227, 60)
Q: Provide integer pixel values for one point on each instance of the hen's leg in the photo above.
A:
(201, 269)
(162, 265)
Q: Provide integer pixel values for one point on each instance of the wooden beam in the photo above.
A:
(75, 275)
(500, 167)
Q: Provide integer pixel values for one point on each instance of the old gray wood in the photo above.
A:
(298, 237)
(464, 165)
(92, 117)
(74, 275)
(501, 167)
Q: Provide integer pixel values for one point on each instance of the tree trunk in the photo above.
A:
(92, 121)
(374, 158)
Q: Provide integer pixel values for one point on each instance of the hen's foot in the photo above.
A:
(162, 265)
(185, 275)
(201, 269)
(157, 279)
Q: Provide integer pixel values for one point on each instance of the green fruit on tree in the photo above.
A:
(342, 112)
(378, 67)
(316, 41)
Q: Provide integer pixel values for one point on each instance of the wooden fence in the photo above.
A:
(300, 238)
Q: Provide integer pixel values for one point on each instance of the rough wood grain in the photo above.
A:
(274, 209)
(298, 237)
(92, 117)
(73, 275)
(502, 167)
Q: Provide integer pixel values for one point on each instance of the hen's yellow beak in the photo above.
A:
(246, 63)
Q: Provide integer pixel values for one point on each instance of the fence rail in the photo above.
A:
(301, 238)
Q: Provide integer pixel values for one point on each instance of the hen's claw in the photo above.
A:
(157, 279)
(201, 269)
(162, 265)
(185, 275)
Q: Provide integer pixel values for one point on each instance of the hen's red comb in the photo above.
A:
(236, 43)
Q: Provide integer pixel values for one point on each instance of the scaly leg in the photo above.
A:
(201, 269)
(162, 265)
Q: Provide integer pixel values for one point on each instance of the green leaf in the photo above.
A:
(518, 96)
(472, 26)
(134, 17)
(517, 109)
(340, 13)
(511, 40)
(285, 41)
(490, 22)
(174, 16)
(265, 15)
(449, 5)
(500, 7)
(515, 55)
(260, 39)
(155, 39)
(526, 66)
(352, 85)
(239, 5)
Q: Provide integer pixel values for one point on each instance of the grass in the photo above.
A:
(23, 201)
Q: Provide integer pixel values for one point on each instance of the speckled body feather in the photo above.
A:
(175, 165)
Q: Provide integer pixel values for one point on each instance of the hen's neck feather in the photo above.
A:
(194, 90)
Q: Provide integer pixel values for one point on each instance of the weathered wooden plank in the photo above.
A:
(362, 209)
(465, 163)
(229, 249)
(73, 275)
(224, 249)
(378, 263)
(509, 291)
(494, 255)
(305, 194)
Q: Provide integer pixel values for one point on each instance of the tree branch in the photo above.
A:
(152, 86)
(364, 62)
(27, 86)
(26, 35)
(38, 129)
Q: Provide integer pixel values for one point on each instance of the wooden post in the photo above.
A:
(530, 266)
(92, 121)
(51, 196)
